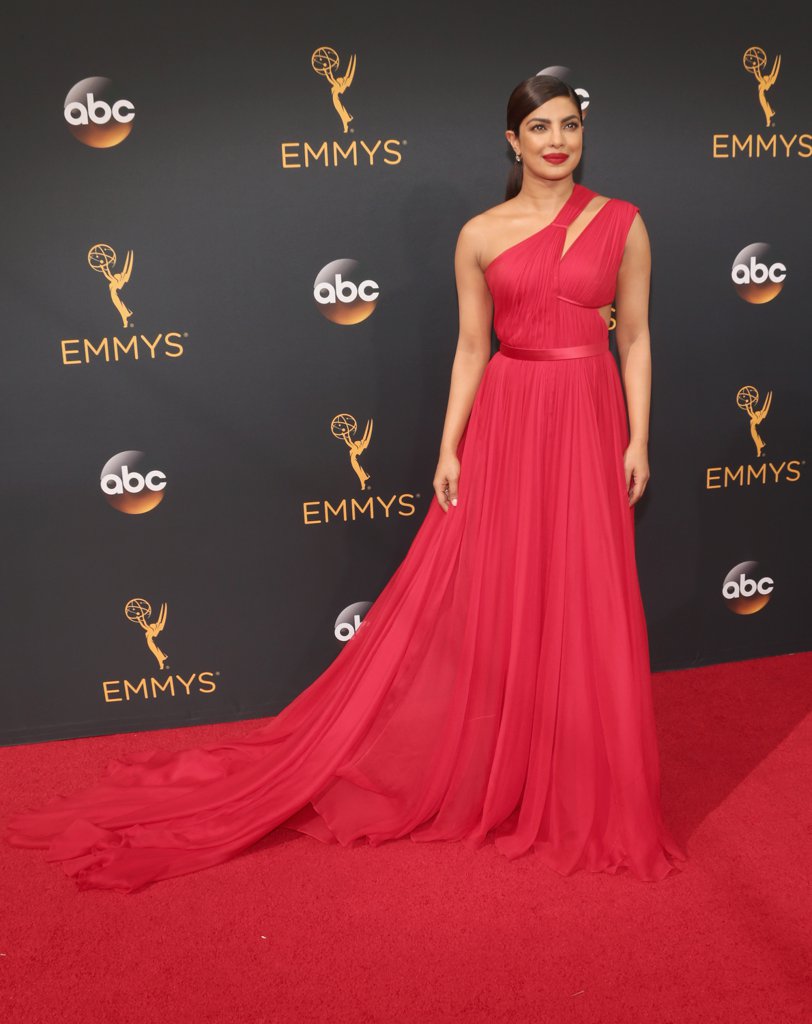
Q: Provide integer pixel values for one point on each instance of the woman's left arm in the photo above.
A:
(634, 349)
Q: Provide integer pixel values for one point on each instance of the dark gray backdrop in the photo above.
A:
(227, 244)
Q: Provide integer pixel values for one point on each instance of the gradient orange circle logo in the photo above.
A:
(747, 588)
(350, 620)
(97, 114)
(756, 276)
(565, 74)
(130, 486)
(343, 294)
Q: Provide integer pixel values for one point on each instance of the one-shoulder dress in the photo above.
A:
(498, 688)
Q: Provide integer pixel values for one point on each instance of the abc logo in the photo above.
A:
(755, 276)
(747, 589)
(129, 486)
(342, 295)
(96, 115)
(350, 620)
(565, 74)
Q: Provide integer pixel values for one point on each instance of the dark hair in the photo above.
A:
(528, 95)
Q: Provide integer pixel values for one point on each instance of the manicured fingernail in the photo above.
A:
(453, 501)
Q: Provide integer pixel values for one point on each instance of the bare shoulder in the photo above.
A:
(636, 257)
(482, 225)
(483, 233)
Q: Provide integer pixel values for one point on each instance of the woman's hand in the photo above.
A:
(446, 479)
(635, 464)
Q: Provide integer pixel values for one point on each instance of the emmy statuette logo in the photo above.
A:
(139, 611)
(102, 258)
(752, 146)
(754, 61)
(764, 472)
(746, 399)
(96, 115)
(127, 344)
(148, 687)
(347, 150)
(323, 511)
(344, 427)
(324, 62)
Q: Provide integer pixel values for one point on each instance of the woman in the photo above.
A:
(499, 686)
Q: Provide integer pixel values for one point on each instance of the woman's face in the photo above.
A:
(550, 139)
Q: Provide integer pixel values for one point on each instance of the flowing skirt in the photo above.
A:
(498, 688)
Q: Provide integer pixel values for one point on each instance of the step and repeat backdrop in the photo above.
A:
(230, 317)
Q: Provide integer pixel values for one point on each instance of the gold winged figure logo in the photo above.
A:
(138, 610)
(746, 399)
(102, 258)
(755, 60)
(344, 427)
(324, 60)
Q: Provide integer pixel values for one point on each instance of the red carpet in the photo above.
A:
(296, 931)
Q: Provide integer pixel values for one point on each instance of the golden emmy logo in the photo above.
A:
(746, 399)
(755, 60)
(324, 62)
(353, 508)
(344, 427)
(341, 149)
(102, 258)
(139, 611)
(764, 472)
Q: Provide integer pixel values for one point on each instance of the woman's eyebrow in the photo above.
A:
(546, 120)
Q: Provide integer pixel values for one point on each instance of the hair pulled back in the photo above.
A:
(524, 99)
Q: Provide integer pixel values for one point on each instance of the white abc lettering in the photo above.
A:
(155, 480)
(345, 631)
(344, 291)
(758, 273)
(123, 111)
(133, 483)
(99, 112)
(75, 113)
(111, 484)
(747, 587)
(778, 272)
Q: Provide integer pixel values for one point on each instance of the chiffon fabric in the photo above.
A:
(498, 688)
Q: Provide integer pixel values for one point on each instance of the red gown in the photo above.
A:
(499, 686)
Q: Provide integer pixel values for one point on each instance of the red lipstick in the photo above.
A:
(556, 158)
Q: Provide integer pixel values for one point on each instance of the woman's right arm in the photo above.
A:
(471, 358)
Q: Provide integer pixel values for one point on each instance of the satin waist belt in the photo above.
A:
(569, 352)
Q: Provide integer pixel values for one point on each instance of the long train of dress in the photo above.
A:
(499, 686)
